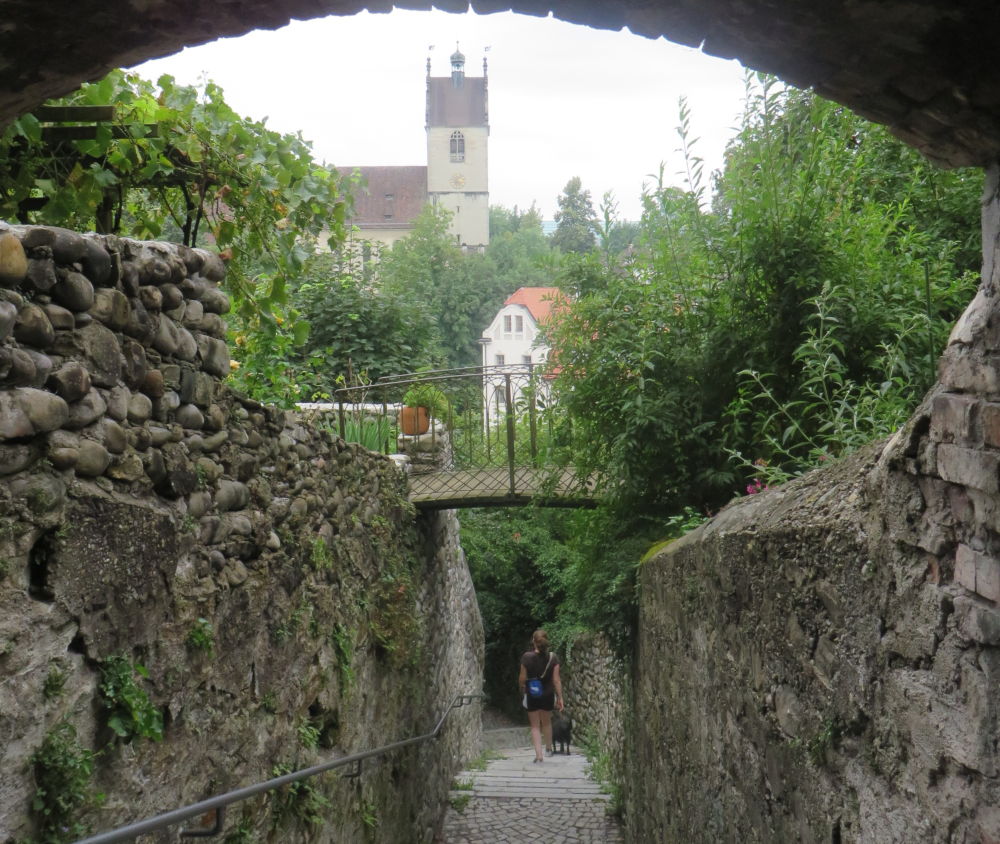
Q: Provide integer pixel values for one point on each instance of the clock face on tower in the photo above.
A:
(458, 181)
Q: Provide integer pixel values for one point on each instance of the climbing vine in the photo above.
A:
(176, 163)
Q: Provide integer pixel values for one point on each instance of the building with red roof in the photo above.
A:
(515, 334)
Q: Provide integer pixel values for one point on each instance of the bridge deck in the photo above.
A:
(492, 487)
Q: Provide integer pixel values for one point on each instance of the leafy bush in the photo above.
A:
(797, 318)
(201, 637)
(63, 770)
(131, 713)
(298, 800)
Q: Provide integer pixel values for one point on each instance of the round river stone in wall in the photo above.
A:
(96, 261)
(188, 416)
(215, 301)
(41, 274)
(214, 356)
(212, 266)
(231, 496)
(166, 339)
(85, 411)
(127, 467)
(151, 297)
(13, 261)
(63, 449)
(92, 460)
(17, 368)
(117, 400)
(172, 297)
(213, 325)
(33, 327)
(111, 307)
(187, 346)
(152, 385)
(75, 292)
(113, 436)
(25, 411)
(71, 381)
(42, 364)
(14, 458)
(140, 408)
(60, 317)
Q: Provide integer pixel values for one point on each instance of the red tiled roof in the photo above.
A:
(393, 198)
(540, 301)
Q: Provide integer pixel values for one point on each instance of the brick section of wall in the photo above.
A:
(969, 467)
(953, 417)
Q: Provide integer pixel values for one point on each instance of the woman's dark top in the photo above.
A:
(534, 664)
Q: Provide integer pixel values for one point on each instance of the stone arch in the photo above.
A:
(923, 67)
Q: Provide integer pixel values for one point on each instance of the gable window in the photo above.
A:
(506, 323)
(457, 147)
(519, 324)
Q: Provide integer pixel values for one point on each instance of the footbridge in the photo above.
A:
(472, 437)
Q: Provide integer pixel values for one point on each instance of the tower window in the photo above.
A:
(457, 147)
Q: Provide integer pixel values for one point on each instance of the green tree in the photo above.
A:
(616, 236)
(357, 330)
(519, 251)
(461, 291)
(575, 218)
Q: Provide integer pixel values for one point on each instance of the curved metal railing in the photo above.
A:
(219, 803)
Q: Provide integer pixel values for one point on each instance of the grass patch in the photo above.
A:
(484, 759)
(460, 801)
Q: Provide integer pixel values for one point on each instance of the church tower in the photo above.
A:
(457, 134)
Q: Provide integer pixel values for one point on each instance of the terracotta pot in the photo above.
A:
(414, 421)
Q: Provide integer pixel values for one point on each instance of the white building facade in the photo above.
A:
(514, 352)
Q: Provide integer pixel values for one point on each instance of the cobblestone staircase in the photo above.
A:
(513, 799)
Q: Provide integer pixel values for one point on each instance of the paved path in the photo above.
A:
(515, 800)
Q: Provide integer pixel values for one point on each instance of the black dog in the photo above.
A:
(562, 731)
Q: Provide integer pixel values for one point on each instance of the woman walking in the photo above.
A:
(542, 665)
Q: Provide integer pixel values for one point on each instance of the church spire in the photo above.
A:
(457, 67)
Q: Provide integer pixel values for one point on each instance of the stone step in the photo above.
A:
(506, 737)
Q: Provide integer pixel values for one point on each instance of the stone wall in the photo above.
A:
(598, 689)
(281, 593)
(821, 661)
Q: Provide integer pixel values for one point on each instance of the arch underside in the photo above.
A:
(922, 67)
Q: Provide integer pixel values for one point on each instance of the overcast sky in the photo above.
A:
(564, 100)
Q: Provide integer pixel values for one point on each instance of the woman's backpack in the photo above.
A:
(534, 686)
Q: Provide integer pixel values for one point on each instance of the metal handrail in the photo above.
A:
(220, 801)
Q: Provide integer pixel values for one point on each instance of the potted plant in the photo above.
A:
(421, 403)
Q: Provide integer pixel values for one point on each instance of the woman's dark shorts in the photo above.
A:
(546, 702)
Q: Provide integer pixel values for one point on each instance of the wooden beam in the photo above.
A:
(61, 134)
(69, 114)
